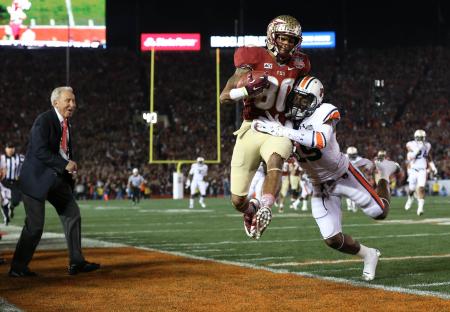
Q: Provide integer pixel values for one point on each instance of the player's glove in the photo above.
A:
(256, 85)
(269, 127)
(187, 184)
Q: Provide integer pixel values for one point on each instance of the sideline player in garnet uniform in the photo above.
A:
(283, 63)
(330, 171)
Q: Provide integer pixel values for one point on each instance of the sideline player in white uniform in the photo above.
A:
(255, 190)
(330, 171)
(196, 180)
(418, 156)
(134, 185)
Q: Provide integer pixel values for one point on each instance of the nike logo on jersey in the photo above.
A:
(291, 68)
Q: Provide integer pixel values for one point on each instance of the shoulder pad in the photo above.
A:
(248, 56)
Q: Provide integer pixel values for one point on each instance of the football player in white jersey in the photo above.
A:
(419, 159)
(330, 171)
(196, 180)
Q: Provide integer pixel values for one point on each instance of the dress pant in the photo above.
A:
(62, 198)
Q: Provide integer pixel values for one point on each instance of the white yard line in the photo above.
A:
(70, 13)
(307, 263)
(430, 284)
(306, 274)
(100, 243)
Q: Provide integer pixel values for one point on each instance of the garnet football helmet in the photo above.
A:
(283, 25)
(305, 97)
(419, 135)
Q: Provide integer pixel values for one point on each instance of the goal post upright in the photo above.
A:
(180, 162)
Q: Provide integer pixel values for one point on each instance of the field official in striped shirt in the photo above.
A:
(10, 164)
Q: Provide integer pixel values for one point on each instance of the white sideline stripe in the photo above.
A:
(272, 270)
(266, 258)
(306, 274)
(70, 13)
(297, 240)
(355, 260)
(429, 285)
(231, 255)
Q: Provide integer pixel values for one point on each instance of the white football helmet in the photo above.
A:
(200, 160)
(305, 97)
(283, 25)
(135, 171)
(352, 152)
(420, 135)
(381, 155)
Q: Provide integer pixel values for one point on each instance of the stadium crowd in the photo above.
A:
(112, 88)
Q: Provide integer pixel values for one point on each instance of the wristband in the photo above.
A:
(238, 93)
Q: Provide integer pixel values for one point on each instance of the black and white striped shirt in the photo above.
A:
(12, 165)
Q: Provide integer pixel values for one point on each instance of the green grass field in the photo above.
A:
(415, 250)
(44, 10)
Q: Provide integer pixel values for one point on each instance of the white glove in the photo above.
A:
(269, 127)
(188, 183)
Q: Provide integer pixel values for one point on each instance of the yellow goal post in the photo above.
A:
(180, 162)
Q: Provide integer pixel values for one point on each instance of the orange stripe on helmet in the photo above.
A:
(304, 81)
(366, 185)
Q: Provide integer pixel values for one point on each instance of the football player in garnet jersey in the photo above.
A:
(282, 63)
(329, 170)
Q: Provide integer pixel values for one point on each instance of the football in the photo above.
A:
(255, 75)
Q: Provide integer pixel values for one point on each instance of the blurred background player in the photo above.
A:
(362, 164)
(10, 165)
(395, 179)
(307, 189)
(284, 186)
(419, 159)
(255, 189)
(294, 180)
(196, 180)
(134, 185)
(16, 17)
(331, 172)
(282, 62)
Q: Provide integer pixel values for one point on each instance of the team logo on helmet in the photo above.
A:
(283, 25)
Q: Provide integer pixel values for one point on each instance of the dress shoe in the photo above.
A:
(83, 267)
(24, 273)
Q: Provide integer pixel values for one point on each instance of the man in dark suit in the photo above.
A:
(47, 174)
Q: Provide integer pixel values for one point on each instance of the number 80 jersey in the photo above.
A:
(327, 163)
(281, 78)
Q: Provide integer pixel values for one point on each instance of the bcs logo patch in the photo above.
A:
(268, 65)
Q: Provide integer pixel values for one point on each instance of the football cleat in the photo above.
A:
(263, 218)
(419, 211)
(409, 202)
(250, 218)
(370, 265)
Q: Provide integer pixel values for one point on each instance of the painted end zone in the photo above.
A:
(139, 280)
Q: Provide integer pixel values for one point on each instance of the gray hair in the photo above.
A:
(56, 93)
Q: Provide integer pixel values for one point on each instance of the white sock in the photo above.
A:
(191, 202)
(420, 203)
(363, 251)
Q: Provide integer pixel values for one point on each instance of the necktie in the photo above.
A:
(64, 135)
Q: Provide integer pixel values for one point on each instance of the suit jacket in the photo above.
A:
(43, 162)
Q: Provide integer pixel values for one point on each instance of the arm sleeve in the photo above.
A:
(310, 138)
